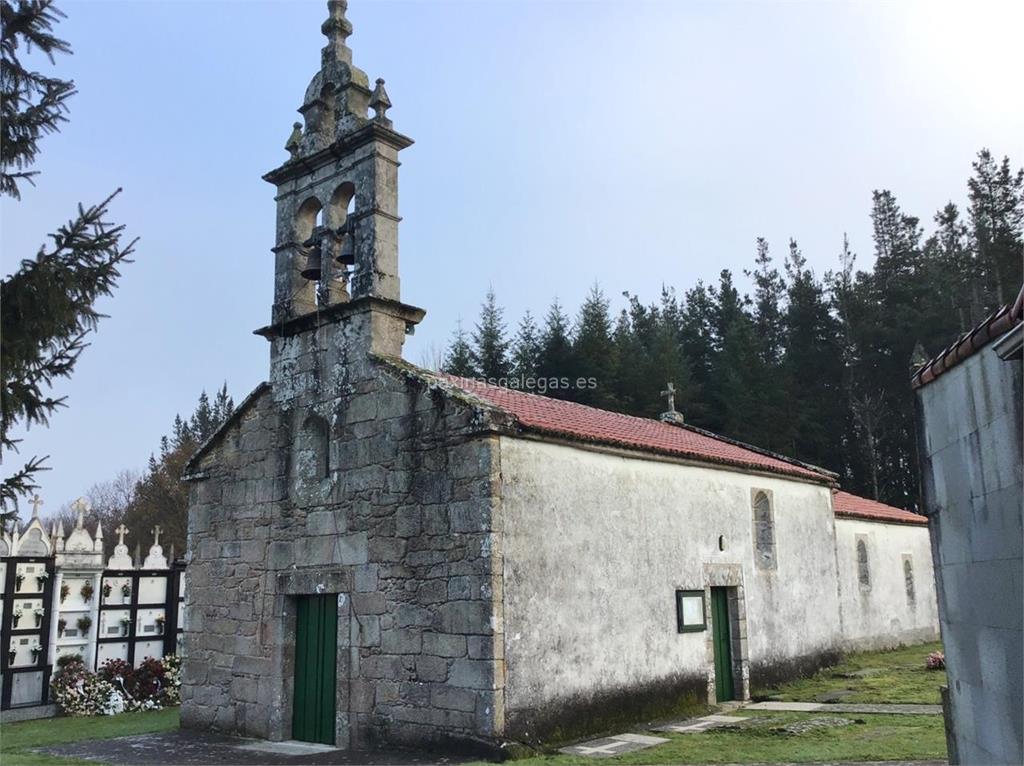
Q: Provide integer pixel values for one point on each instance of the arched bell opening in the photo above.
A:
(308, 224)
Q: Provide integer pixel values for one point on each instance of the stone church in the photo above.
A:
(379, 553)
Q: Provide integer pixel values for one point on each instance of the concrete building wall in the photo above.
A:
(887, 610)
(399, 529)
(970, 442)
(595, 546)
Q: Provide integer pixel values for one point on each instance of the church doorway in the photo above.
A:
(722, 640)
(316, 671)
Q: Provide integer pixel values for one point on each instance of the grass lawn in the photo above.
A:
(18, 739)
(872, 738)
(893, 676)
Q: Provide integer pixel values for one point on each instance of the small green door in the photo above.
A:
(723, 646)
(316, 646)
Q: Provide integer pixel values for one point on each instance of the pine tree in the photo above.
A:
(769, 290)
(161, 495)
(526, 350)
(775, 425)
(592, 350)
(997, 220)
(490, 347)
(734, 367)
(812, 367)
(32, 105)
(697, 336)
(47, 306)
(556, 360)
(459, 358)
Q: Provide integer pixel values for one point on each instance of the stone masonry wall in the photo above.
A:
(399, 525)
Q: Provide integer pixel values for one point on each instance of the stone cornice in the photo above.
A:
(339, 312)
(301, 166)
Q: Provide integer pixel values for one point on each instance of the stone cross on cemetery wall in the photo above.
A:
(81, 507)
(121, 559)
(155, 559)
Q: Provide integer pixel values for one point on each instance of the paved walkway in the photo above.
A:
(844, 707)
(189, 748)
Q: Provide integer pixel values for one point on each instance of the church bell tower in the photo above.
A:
(336, 250)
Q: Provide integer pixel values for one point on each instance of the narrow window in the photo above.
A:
(313, 455)
(863, 572)
(908, 581)
(764, 532)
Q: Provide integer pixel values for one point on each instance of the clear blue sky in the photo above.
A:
(557, 144)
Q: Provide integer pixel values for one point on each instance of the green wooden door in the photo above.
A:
(316, 646)
(723, 646)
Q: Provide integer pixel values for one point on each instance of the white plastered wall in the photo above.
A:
(880, 614)
(595, 545)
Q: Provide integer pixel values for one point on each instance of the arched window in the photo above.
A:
(863, 572)
(908, 581)
(764, 532)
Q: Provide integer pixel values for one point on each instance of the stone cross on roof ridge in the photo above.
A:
(670, 394)
(671, 415)
(36, 501)
(156, 534)
(121, 531)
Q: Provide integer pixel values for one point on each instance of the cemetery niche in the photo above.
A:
(67, 617)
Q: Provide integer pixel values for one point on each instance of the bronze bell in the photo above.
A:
(311, 269)
(347, 256)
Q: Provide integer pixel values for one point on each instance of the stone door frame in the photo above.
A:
(729, 576)
(290, 586)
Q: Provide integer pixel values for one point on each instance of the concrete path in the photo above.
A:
(843, 707)
(695, 725)
(608, 747)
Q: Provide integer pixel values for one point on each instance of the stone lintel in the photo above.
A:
(303, 582)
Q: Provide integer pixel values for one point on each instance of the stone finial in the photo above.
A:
(121, 531)
(36, 501)
(294, 142)
(81, 507)
(380, 103)
(336, 29)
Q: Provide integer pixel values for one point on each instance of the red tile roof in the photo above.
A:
(555, 417)
(845, 504)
